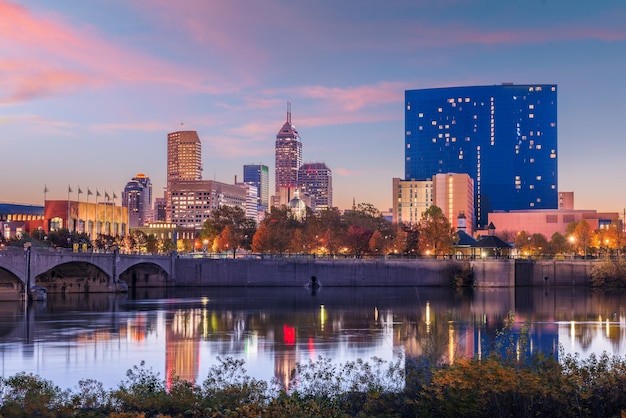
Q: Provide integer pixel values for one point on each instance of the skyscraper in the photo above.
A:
(316, 179)
(503, 136)
(184, 156)
(288, 154)
(137, 197)
(258, 175)
(184, 162)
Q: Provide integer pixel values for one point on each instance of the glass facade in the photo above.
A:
(259, 176)
(503, 136)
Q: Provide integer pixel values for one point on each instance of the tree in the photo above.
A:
(522, 242)
(558, 244)
(538, 244)
(377, 243)
(357, 240)
(233, 217)
(581, 236)
(229, 240)
(435, 232)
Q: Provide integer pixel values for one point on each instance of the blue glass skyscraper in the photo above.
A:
(503, 136)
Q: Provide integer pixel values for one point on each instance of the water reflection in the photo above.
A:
(184, 331)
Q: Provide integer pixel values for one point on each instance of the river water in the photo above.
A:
(100, 336)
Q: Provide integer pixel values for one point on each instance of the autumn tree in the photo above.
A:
(538, 244)
(436, 235)
(275, 232)
(357, 240)
(240, 229)
(581, 234)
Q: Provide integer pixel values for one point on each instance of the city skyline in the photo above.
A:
(89, 91)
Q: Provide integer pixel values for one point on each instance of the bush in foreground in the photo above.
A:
(495, 386)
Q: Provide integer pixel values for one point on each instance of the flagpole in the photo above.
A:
(69, 190)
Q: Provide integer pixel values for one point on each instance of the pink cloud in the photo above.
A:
(67, 56)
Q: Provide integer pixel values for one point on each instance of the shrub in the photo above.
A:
(460, 273)
(609, 274)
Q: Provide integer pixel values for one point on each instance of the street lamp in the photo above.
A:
(206, 245)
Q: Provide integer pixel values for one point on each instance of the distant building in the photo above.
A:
(137, 197)
(193, 201)
(566, 200)
(411, 198)
(316, 179)
(184, 156)
(451, 192)
(184, 162)
(16, 219)
(503, 136)
(259, 176)
(160, 209)
(549, 221)
(251, 208)
(92, 219)
(454, 195)
(288, 152)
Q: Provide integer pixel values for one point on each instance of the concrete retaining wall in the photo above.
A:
(335, 272)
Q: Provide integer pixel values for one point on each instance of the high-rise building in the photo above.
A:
(184, 156)
(288, 154)
(137, 197)
(503, 136)
(316, 180)
(411, 198)
(184, 162)
(258, 175)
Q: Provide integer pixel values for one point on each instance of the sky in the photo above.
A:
(90, 89)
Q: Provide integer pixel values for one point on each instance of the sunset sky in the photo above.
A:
(90, 89)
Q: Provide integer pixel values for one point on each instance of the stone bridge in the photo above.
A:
(62, 270)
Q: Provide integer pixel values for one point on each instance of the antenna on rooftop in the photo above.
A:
(288, 112)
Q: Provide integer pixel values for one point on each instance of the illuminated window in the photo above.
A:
(421, 115)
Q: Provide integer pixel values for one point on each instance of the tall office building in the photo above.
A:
(288, 154)
(316, 179)
(258, 175)
(137, 197)
(184, 163)
(503, 136)
(184, 156)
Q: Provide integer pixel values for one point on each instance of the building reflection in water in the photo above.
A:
(274, 330)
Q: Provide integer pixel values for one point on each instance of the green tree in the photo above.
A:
(436, 235)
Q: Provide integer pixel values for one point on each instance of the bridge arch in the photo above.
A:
(74, 277)
(11, 286)
(145, 274)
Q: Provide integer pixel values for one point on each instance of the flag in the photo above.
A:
(97, 193)
(89, 192)
(45, 189)
(79, 191)
(69, 189)
(114, 196)
(106, 195)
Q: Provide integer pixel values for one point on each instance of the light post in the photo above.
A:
(206, 246)
(572, 241)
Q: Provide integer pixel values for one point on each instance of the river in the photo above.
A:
(100, 336)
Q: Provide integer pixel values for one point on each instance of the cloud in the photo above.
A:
(49, 56)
